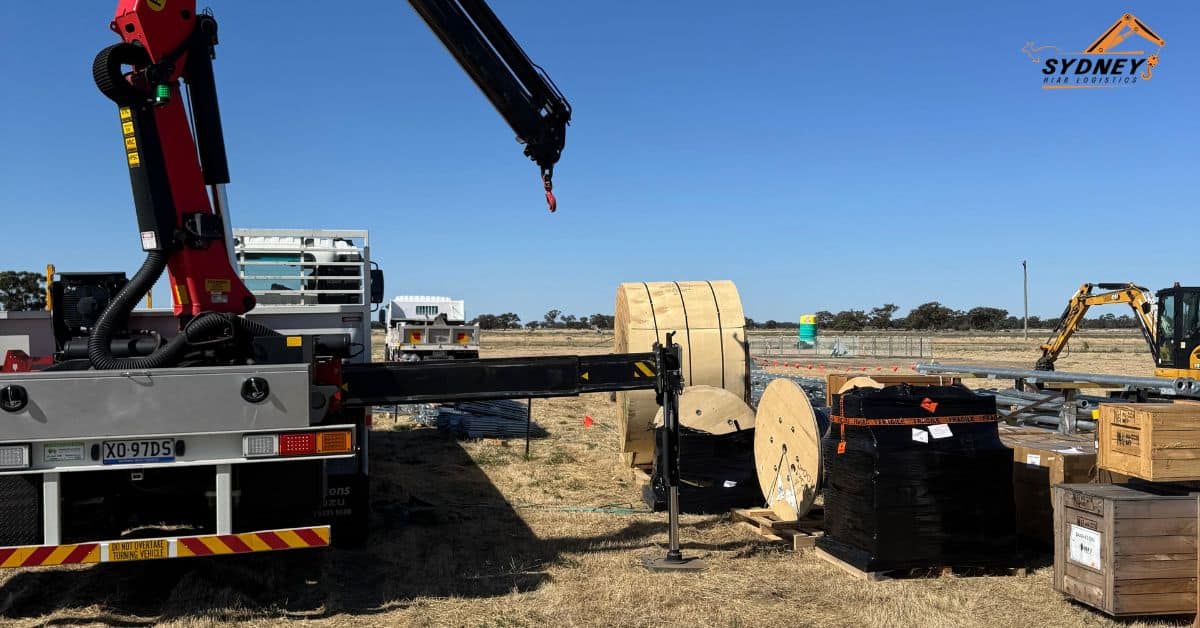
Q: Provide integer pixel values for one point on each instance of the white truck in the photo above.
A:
(160, 462)
(212, 472)
(428, 328)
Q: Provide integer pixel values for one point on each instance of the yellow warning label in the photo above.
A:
(126, 114)
(157, 5)
(131, 143)
(293, 341)
(137, 550)
(127, 128)
(181, 295)
(134, 160)
(217, 285)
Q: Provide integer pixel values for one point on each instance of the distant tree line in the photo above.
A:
(934, 316)
(554, 319)
(21, 290)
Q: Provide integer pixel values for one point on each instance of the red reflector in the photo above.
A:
(297, 444)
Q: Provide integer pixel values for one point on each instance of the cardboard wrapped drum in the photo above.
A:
(710, 327)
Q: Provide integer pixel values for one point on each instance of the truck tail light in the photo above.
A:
(334, 442)
(462, 338)
(258, 445)
(298, 443)
(414, 337)
(14, 457)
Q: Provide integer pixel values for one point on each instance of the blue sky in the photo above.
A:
(903, 147)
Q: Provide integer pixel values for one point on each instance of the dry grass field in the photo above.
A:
(475, 534)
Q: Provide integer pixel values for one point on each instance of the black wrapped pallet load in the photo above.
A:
(916, 477)
(716, 473)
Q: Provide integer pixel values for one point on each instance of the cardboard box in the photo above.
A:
(1041, 460)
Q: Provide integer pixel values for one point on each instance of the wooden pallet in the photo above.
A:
(640, 475)
(930, 572)
(801, 534)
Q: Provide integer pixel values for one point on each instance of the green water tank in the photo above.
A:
(808, 329)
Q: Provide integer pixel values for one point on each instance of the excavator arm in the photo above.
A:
(1126, 26)
(1138, 298)
(1122, 29)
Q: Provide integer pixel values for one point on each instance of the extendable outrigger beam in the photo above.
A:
(496, 378)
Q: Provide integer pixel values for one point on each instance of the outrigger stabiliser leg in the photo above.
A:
(668, 387)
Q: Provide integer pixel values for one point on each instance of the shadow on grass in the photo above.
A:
(440, 528)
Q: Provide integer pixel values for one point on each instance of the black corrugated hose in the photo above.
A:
(204, 327)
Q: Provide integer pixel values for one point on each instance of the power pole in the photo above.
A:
(1025, 277)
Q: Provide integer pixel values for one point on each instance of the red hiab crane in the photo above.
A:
(130, 425)
(178, 179)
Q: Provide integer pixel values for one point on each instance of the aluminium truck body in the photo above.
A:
(112, 465)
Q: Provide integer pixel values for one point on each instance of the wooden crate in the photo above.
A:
(1041, 460)
(1125, 550)
(1152, 441)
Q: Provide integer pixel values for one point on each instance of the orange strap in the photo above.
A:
(931, 420)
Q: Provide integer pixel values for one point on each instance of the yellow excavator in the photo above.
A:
(1169, 319)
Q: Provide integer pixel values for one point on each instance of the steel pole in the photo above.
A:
(1025, 279)
(1166, 386)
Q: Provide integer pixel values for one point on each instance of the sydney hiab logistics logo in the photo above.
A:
(1102, 64)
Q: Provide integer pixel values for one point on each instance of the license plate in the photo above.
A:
(138, 451)
(137, 550)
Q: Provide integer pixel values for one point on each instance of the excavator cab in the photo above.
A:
(1178, 338)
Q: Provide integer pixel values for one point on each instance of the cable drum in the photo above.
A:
(710, 328)
(787, 449)
(711, 410)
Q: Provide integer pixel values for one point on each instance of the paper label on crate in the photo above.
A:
(1033, 460)
(1085, 547)
(920, 435)
(940, 430)
(62, 452)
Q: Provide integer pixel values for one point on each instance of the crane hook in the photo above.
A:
(551, 202)
(1151, 61)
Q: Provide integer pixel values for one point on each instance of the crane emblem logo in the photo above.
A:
(1105, 63)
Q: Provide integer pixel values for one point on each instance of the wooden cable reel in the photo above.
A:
(710, 327)
(787, 449)
(711, 410)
